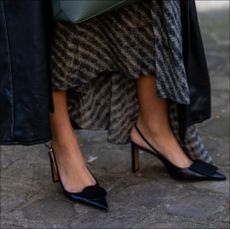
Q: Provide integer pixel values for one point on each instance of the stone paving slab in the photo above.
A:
(151, 199)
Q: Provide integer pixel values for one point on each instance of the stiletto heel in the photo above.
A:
(199, 170)
(54, 170)
(135, 158)
(93, 195)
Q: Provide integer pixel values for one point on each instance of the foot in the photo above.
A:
(72, 168)
(164, 141)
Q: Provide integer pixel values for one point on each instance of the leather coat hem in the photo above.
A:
(26, 143)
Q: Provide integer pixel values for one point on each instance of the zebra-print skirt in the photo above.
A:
(98, 61)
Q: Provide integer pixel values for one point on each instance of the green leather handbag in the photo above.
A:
(81, 10)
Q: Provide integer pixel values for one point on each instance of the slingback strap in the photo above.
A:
(203, 167)
(146, 141)
(48, 147)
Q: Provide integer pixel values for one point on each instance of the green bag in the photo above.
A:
(81, 10)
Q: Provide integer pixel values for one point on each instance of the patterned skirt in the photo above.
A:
(98, 61)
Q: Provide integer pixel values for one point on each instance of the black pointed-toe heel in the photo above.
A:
(93, 195)
(198, 171)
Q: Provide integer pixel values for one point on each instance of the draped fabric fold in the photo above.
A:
(170, 70)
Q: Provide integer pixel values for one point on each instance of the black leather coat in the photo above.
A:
(24, 71)
(25, 92)
(197, 72)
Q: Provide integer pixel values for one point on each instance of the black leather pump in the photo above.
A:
(92, 195)
(199, 170)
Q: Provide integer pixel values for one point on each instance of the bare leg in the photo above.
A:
(72, 167)
(153, 121)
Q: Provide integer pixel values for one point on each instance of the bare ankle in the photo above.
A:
(154, 128)
(64, 137)
(65, 143)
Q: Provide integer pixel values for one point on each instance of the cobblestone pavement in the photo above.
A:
(29, 199)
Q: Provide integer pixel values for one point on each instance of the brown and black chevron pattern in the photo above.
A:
(98, 61)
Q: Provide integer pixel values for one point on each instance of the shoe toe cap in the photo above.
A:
(219, 176)
(102, 203)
